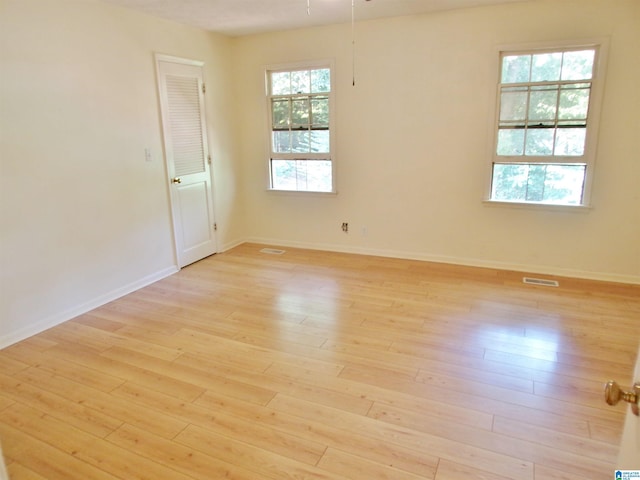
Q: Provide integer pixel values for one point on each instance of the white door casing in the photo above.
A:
(181, 92)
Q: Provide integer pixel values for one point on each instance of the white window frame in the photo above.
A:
(601, 46)
(330, 156)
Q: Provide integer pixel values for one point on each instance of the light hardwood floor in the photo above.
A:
(325, 366)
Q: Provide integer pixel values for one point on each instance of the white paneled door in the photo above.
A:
(181, 91)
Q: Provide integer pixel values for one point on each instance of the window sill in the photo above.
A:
(539, 206)
(301, 192)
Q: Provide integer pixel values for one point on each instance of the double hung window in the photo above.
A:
(300, 104)
(544, 140)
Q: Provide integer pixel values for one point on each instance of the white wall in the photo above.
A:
(412, 142)
(83, 217)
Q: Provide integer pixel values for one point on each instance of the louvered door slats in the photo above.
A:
(183, 95)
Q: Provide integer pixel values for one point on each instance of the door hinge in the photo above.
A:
(204, 88)
(215, 227)
(209, 159)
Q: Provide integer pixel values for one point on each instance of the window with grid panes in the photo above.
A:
(545, 136)
(300, 110)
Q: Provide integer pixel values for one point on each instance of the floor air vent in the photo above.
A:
(272, 251)
(540, 281)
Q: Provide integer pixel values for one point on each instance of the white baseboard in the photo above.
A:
(230, 245)
(61, 317)
(469, 262)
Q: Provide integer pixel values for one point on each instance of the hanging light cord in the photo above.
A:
(353, 42)
(353, 37)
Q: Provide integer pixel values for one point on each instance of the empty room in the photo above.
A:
(319, 239)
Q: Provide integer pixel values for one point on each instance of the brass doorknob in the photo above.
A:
(176, 180)
(613, 394)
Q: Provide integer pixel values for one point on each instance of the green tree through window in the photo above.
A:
(300, 107)
(543, 114)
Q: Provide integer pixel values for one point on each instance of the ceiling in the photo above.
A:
(245, 17)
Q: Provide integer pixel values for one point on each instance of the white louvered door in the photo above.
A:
(180, 85)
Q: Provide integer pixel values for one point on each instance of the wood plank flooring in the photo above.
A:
(325, 366)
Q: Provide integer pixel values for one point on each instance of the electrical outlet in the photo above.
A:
(345, 227)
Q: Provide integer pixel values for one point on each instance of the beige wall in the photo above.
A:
(413, 144)
(83, 217)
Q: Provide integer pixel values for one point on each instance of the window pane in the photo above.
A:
(319, 175)
(510, 142)
(574, 102)
(546, 67)
(564, 184)
(544, 183)
(539, 141)
(542, 104)
(509, 182)
(320, 141)
(283, 174)
(320, 80)
(300, 142)
(535, 183)
(280, 113)
(513, 105)
(300, 112)
(515, 68)
(570, 141)
(320, 111)
(300, 82)
(578, 65)
(282, 142)
(280, 83)
(305, 175)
